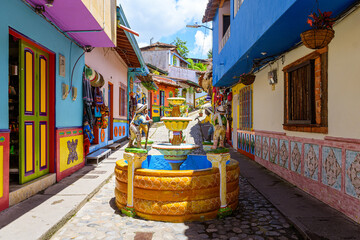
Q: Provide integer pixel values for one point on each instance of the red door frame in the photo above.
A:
(111, 113)
(51, 95)
(151, 103)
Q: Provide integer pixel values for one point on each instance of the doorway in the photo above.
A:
(31, 122)
(162, 103)
(111, 111)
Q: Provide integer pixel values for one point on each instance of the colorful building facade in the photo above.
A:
(158, 98)
(41, 104)
(316, 146)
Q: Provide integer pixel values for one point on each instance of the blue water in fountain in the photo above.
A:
(193, 162)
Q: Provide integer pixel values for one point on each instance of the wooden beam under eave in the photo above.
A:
(221, 3)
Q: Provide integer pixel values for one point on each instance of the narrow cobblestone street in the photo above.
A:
(255, 217)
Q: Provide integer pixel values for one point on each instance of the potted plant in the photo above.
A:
(247, 78)
(321, 33)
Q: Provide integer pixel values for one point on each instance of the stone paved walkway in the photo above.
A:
(255, 218)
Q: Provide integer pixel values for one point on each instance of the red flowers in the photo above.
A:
(321, 20)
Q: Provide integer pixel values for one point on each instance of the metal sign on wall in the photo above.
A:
(61, 65)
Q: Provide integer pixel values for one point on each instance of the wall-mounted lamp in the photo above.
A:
(65, 90)
(74, 93)
(198, 26)
(40, 9)
(272, 77)
(49, 3)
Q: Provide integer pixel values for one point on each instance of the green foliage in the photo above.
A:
(218, 150)
(135, 150)
(181, 47)
(184, 91)
(196, 66)
(191, 90)
(209, 53)
(171, 94)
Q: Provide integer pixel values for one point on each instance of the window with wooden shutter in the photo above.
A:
(245, 114)
(122, 101)
(305, 93)
(301, 93)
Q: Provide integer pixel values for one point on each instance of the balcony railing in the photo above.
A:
(224, 39)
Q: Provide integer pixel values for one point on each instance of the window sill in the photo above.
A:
(313, 128)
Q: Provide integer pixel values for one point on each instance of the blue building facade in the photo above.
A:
(270, 27)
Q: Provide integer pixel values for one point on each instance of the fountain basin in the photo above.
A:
(175, 155)
(177, 196)
(176, 101)
(176, 123)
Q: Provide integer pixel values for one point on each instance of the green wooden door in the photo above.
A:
(34, 113)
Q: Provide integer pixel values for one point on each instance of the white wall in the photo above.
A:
(107, 62)
(343, 86)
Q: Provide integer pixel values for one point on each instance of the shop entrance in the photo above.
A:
(29, 111)
(162, 103)
(111, 111)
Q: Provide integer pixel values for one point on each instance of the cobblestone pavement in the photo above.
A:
(255, 218)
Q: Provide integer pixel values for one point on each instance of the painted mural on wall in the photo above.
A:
(352, 181)
(331, 162)
(70, 149)
(72, 146)
(316, 166)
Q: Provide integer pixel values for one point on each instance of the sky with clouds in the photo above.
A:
(164, 20)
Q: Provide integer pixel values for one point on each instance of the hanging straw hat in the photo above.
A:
(140, 107)
(89, 73)
(221, 109)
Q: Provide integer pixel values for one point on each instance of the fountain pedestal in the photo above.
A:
(175, 153)
(218, 160)
(134, 159)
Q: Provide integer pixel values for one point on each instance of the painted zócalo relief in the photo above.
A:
(311, 161)
(284, 154)
(73, 156)
(353, 173)
(296, 157)
(331, 174)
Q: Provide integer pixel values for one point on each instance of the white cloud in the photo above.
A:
(203, 43)
(161, 18)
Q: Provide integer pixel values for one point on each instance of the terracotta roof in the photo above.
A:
(186, 81)
(159, 45)
(164, 80)
(147, 82)
(157, 69)
(210, 11)
(125, 49)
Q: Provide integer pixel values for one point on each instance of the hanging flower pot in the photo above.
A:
(322, 33)
(317, 38)
(247, 78)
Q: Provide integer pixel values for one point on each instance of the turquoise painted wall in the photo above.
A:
(16, 15)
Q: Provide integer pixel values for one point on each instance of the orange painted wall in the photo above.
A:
(156, 94)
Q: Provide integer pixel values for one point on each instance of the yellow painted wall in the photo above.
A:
(64, 152)
(96, 8)
(343, 86)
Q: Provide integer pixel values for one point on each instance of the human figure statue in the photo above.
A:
(145, 128)
(207, 119)
(138, 122)
(219, 121)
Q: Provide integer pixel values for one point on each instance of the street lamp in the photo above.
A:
(198, 26)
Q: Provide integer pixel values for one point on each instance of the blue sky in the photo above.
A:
(164, 20)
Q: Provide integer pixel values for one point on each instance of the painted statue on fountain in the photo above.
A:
(139, 122)
(219, 121)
